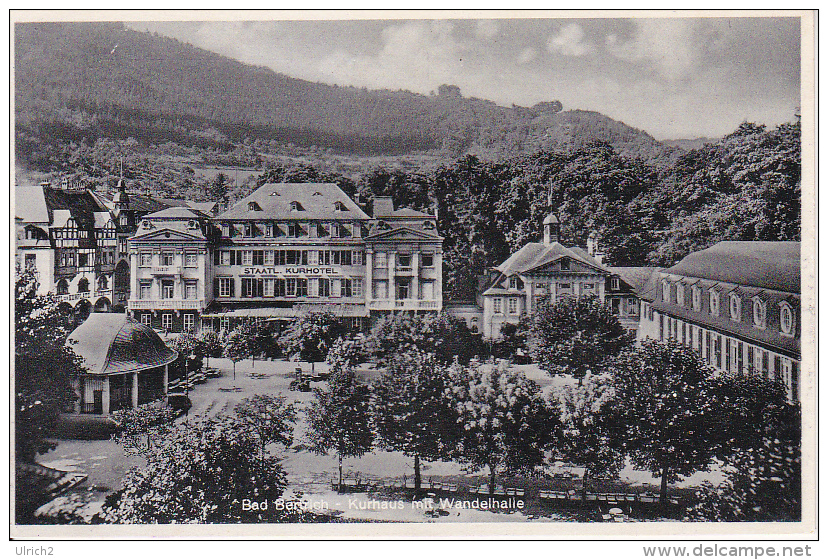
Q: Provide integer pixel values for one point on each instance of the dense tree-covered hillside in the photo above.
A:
(92, 80)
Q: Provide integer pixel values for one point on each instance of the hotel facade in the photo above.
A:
(284, 250)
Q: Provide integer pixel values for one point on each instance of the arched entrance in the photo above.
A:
(102, 305)
(82, 311)
(120, 281)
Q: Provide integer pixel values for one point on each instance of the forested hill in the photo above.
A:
(98, 80)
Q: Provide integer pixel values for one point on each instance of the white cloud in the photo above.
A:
(527, 55)
(487, 28)
(415, 55)
(570, 41)
(667, 45)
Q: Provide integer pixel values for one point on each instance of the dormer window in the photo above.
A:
(615, 284)
(735, 307)
(696, 295)
(665, 290)
(714, 303)
(428, 225)
(339, 206)
(253, 207)
(383, 225)
(760, 310)
(274, 193)
(192, 224)
(317, 193)
(225, 230)
(786, 319)
(296, 207)
(146, 224)
(680, 294)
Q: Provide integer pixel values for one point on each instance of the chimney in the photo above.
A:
(592, 244)
(551, 229)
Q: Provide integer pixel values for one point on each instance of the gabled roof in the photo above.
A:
(317, 200)
(773, 265)
(174, 213)
(111, 343)
(534, 255)
(81, 205)
(30, 204)
(404, 231)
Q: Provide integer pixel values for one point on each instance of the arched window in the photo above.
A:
(103, 283)
(665, 290)
(786, 318)
(62, 287)
(83, 285)
(680, 294)
(696, 295)
(735, 307)
(714, 303)
(759, 313)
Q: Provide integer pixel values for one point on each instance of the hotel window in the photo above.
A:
(357, 286)
(224, 323)
(513, 306)
(301, 287)
(166, 321)
(62, 287)
(615, 284)
(191, 259)
(167, 259)
(258, 258)
(268, 287)
(428, 290)
(279, 287)
(759, 313)
(189, 322)
(224, 258)
(786, 318)
(191, 289)
(225, 230)
(380, 289)
(357, 257)
(248, 229)
(146, 319)
(225, 287)
(268, 230)
(696, 298)
(717, 347)
(324, 287)
(380, 260)
(346, 288)
(145, 289)
(403, 288)
(708, 346)
(404, 261)
(497, 306)
(247, 257)
(167, 289)
(735, 307)
(335, 230)
(268, 257)
(294, 229)
(252, 287)
(103, 283)
(632, 306)
(145, 260)
(680, 294)
(714, 303)
(428, 260)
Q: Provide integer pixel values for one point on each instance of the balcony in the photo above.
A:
(166, 271)
(403, 304)
(404, 271)
(92, 296)
(151, 304)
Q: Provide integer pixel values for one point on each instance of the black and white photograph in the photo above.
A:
(413, 273)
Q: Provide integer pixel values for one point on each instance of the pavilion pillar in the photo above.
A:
(166, 382)
(134, 393)
(106, 397)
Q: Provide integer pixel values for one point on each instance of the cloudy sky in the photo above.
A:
(674, 78)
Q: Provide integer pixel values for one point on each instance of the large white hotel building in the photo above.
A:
(284, 250)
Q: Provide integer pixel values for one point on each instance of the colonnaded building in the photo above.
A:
(284, 250)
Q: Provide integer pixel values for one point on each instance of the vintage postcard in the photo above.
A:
(413, 274)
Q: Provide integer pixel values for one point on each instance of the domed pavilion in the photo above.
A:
(126, 361)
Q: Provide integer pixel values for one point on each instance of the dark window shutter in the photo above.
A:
(215, 287)
(232, 257)
(216, 257)
(232, 287)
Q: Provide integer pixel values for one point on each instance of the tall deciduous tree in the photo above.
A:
(201, 473)
(413, 411)
(310, 336)
(270, 418)
(671, 409)
(574, 335)
(592, 434)
(339, 417)
(504, 421)
(43, 367)
(237, 347)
